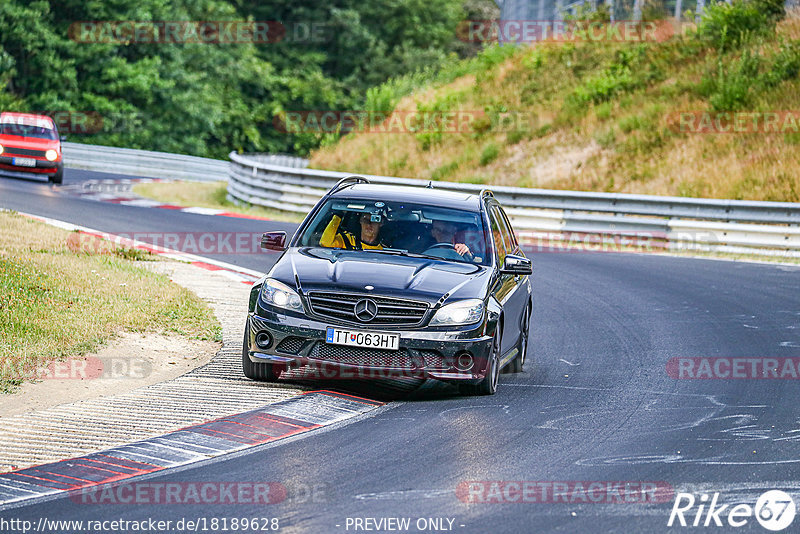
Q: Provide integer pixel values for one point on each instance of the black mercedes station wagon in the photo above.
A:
(388, 281)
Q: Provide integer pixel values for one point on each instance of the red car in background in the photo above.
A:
(30, 145)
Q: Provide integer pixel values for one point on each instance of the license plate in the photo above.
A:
(23, 162)
(359, 338)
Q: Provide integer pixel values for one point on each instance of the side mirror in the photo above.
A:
(274, 241)
(517, 265)
(62, 137)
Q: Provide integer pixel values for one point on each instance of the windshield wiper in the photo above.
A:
(403, 252)
(396, 252)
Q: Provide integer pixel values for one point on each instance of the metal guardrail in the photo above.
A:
(771, 228)
(143, 163)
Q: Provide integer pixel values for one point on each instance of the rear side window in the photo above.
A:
(509, 231)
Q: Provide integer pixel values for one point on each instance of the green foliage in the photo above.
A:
(606, 138)
(592, 13)
(603, 111)
(726, 26)
(730, 89)
(208, 99)
(515, 136)
(733, 85)
(444, 171)
(434, 119)
(489, 154)
(630, 70)
(386, 95)
(774, 10)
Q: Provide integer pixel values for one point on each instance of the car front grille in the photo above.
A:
(364, 357)
(13, 151)
(434, 360)
(391, 311)
(361, 356)
(290, 345)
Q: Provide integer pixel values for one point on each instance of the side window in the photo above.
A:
(504, 230)
(497, 236)
(509, 231)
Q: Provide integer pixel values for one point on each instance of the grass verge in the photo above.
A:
(206, 195)
(58, 303)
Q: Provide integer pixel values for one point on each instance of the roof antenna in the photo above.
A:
(430, 184)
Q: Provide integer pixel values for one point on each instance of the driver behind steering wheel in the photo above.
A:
(445, 232)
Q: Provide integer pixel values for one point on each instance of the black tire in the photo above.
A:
(262, 372)
(522, 347)
(58, 177)
(487, 386)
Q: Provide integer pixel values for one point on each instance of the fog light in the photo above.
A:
(263, 340)
(465, 361)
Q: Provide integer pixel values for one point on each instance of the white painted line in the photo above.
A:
(203, 211)
(142, 203)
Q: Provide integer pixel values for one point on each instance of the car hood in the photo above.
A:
(390, 275)
(33, 143)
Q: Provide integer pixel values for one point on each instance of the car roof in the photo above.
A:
(401, 193)
(30, 119)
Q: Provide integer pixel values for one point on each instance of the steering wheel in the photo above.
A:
(442, 245)
(449, 252)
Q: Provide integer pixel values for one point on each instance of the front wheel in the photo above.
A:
(58, 177)
(487, 386)
(263, 372)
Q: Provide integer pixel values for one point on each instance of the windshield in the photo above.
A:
(27, 130)
(398, 228)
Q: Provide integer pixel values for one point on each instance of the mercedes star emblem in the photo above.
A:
(366, 310)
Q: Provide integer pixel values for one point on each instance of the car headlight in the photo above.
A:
(281, 295)
(462, 312)
(51, 155)
(1, 149)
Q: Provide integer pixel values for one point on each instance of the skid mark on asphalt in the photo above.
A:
(303, 413)
(453, 414)
(709, 417)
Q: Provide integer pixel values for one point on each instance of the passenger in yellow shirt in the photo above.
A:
(335, 237)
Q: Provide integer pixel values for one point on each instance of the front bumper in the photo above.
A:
(43, 167)
(298, 341)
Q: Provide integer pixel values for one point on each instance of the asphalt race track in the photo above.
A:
(595, 403)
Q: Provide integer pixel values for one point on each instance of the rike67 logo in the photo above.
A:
(774, 510)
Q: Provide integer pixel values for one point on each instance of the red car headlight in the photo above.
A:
(51, 155)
